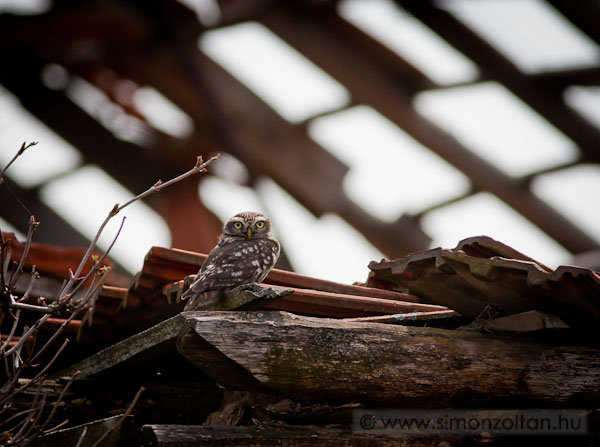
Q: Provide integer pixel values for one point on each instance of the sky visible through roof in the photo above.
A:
(409, 177)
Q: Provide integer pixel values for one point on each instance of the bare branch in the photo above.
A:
(82, 437)
(122, 418)
(34, 276)
(24, 147)
(57, 403)
(200, 167)
(12, 331)
(34, 327)
(17, 272)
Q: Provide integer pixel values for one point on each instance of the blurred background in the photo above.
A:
(364, 128)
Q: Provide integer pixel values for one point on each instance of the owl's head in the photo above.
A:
(247, 225)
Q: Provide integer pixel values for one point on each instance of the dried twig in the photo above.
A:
(24, 147)
(19, 354)
(121, 419)
(200, 167)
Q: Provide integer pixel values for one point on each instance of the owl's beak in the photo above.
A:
(249, 233)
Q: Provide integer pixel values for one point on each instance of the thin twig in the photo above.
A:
(83, 433)
(122, 418)
(53, 337)
(57, 403)
(12, 331)
(34, 275)
(34, 327)
(32, 307)
(17, 272)
(37, 376)
(200, 167)
(97, 265)
(24, 147)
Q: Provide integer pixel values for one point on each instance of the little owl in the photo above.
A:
(245, 253)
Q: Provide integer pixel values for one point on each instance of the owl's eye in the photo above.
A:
(260, 224)
(237, 225)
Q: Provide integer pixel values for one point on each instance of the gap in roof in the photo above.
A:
(25, 7)
(84, 198)
(586, 101)
(390, 173)
(575, 193)
(99, 106)
(8, 228)
(410, 39)
(286, 80)
(499, 127)
(161, 113)
(485, 214)
(50, 157)
(531, 33)
(207, 11)
(325, 247)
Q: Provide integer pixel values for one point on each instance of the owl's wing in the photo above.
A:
(235, 263)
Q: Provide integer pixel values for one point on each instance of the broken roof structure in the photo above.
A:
(481, 325)
(86, 66)
(292, 360)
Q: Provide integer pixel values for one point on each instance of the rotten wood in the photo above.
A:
(311, 359)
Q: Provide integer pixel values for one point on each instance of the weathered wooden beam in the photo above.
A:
(311, 359)
(280, 436)
(124, 350)
(166, 331)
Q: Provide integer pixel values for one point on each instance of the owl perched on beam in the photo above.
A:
(245, 253)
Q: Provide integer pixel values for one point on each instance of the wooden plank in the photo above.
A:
(312, 359)
(279, 436)
(242, 296)
(124, 350)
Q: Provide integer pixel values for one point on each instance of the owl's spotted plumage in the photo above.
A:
(245, 253)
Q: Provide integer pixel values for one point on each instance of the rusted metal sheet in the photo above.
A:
(469, 283)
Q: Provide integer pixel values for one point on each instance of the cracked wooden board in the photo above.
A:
(312, 359)
(247, 296)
